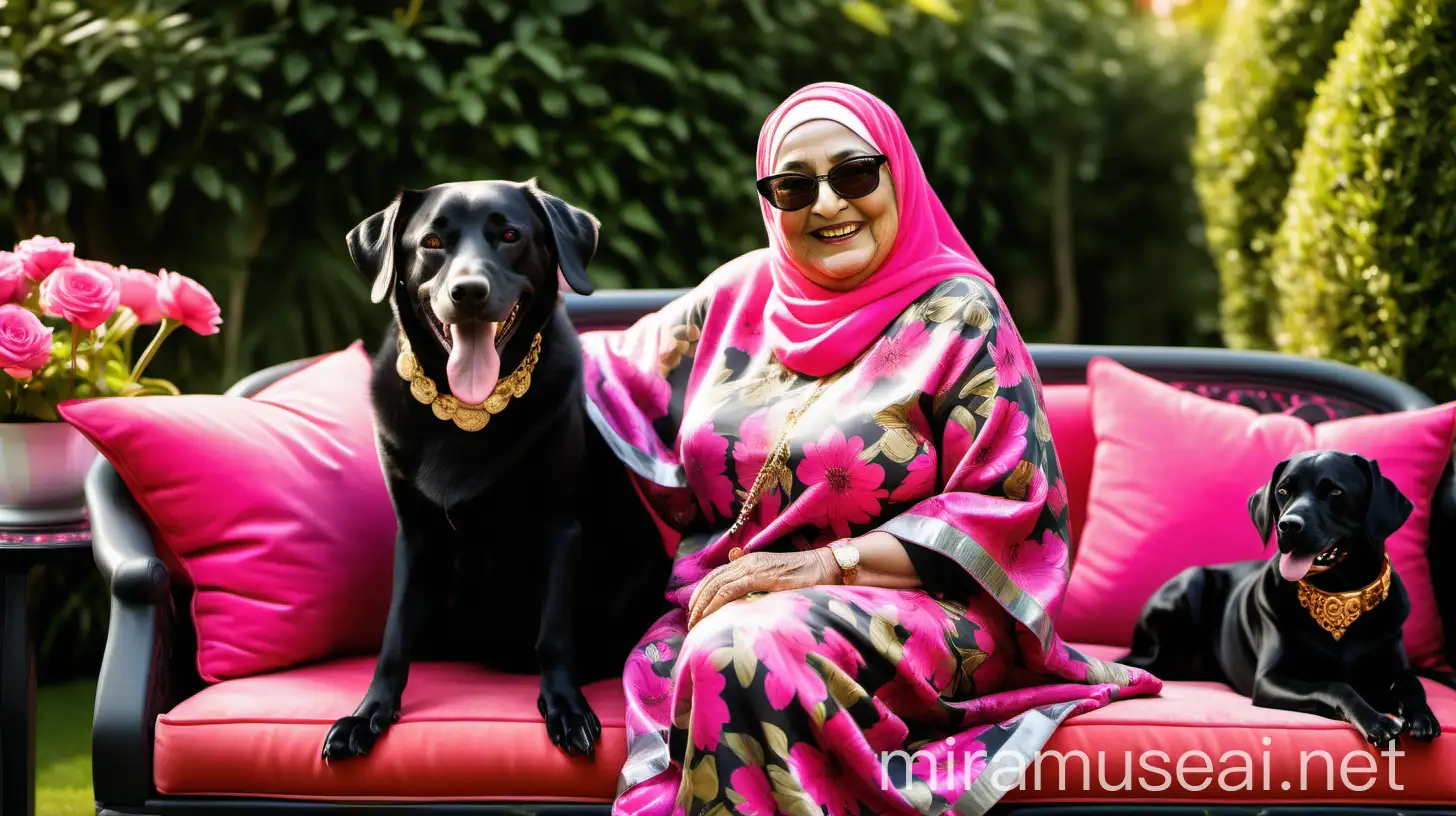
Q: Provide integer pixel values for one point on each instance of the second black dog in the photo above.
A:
(521, 543)
(1317, 629)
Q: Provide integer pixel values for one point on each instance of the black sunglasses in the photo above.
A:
(851, 178)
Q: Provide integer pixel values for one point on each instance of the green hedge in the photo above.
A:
(1260, 81)
(1365, 264)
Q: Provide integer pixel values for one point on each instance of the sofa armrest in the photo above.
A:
(132, 686)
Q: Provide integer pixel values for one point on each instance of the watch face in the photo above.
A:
(847, 556)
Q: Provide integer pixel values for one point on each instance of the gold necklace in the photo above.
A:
(1336, 611)
(776, 458)
(466, 417)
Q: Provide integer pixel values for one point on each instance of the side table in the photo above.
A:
(22, 549)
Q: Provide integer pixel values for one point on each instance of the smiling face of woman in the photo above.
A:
(837, 242)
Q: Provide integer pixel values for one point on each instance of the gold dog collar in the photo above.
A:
(1336, 611)
(466, 417)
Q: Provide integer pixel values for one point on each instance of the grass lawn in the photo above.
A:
(63, 749)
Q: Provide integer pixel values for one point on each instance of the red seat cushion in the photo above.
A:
(465, 733)
(470, 734)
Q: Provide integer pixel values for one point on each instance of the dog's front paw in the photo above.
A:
(1380, 729)
(355, 735)
(570, 721)
(1423, 725)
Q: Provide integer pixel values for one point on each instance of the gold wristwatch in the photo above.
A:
(847, 556)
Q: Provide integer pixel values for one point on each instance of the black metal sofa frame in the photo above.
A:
(147, 667)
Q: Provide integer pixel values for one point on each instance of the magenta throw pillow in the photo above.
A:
(273, 510)
(1171, 477)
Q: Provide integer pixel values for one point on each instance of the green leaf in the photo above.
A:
(68, 112)
(365, 80)
(58, 195)
(337, 157)
(453, 36)
(9, 79)
(527, 138)
(170, 107)
(85, 144)
(295, 67)
(249, 86)
(545, 60)
(315, 16)
(432, 79)
(300, 102)
(387, 105)
(472, 107)
(554, 102)
(208, 180)
(867, 15)
(160, 194)
(12, 167)
(330, 87)
(635, 215)
(147, 136)
(114, 90)
(126, 114)
(14, 128)
(89, 174)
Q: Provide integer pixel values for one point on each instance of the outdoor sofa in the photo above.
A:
(469, 740)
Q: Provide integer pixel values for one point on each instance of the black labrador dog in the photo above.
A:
(520, 542)
(1317, 629)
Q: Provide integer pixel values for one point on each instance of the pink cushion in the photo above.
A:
(272, 510)
(1171, 479)
(1071, 424)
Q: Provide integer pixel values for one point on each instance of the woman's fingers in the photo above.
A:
(729, 592)
(706, 589)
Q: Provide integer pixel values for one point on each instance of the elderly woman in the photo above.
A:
(843, 435)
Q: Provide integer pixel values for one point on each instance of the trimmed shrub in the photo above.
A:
(1259, 84)
(1365, 264)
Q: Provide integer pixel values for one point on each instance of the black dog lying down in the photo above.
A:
(1317, 629)
(521, 544)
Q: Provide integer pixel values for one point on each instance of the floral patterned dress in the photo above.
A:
(797, 702)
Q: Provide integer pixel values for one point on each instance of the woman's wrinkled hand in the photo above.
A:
(761, 572)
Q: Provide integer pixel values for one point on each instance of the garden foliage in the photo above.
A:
(236, 141)
(1260, 82)
(1365, 262)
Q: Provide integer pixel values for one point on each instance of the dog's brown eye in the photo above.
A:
(511, 236)
(432, 242)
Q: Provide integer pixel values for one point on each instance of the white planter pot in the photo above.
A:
(43, 467)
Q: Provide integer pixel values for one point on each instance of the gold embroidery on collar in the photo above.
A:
(1336, 611)
(466, 417)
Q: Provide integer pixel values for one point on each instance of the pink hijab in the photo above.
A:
(817, 331)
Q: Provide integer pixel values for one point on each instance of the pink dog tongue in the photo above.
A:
(474, 365)
(1293, 567)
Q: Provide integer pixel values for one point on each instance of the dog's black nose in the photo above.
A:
(1291, 524)
(470, 291)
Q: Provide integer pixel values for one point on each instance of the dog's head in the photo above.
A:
(472, 267)
(1325, 506)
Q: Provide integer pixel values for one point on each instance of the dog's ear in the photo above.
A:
(371, 244)
(574, 232)
(1263, 508)
(1388, 509)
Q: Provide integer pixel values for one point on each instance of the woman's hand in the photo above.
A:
(761, 572)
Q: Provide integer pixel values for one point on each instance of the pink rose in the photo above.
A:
(138, 291)
(80, 294)
(188, 302)
(42, 256)
(13, 285)
(25, 343)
